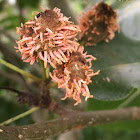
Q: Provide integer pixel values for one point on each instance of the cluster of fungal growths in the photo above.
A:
(47, 37)
(51, 37)
(75, 74)
(100, 23)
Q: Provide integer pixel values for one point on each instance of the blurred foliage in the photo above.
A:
(10, 109)
(118, 60)
(78, 5)
(100, 134)
(28, 3)
(14, 22)
(1, 5)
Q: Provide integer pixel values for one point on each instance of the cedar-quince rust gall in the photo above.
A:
(47, 37)
(51, 37)
(75, 75)
(100, 23)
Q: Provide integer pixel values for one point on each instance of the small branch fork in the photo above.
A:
(69, 119)
(74, 120)
(42, 100)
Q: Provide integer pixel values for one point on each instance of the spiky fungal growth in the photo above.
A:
(100, 23)
(51, 37)
(48, 36)
(75, 75)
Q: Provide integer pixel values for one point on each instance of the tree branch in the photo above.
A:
(40, 100)
(74, 120)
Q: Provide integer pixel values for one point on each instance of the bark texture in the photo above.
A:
(73, 120)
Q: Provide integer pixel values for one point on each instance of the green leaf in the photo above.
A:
(118, 60)
(132, 100)
(116, 82)
(129, 19)
(120, 4)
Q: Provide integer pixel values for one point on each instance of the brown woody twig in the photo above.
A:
(74, 120)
